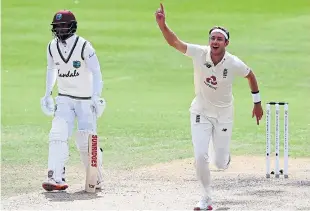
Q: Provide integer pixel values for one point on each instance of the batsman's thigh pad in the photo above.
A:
(65, 111)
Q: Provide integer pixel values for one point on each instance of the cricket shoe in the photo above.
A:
(52, 185)
(204, 204)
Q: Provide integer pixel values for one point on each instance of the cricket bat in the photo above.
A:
(93, 162)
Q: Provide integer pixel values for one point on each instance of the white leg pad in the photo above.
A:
(82, 145)
(58, 148)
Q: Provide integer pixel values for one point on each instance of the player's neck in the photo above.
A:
(217, 58)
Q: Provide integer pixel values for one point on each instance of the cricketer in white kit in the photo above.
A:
(72, 62)
(212, 108)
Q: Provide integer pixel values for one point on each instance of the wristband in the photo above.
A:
(256, 97)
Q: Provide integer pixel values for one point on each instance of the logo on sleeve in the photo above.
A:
(211, 82)
(91, 55)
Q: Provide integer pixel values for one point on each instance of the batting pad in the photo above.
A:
(82, 145)
(58, 148)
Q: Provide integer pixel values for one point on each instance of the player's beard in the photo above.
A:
(63, 34)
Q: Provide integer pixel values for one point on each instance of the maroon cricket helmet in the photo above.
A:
(64, 24)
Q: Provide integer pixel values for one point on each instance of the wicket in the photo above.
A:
(277, 138)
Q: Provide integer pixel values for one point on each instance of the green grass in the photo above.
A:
(148, 85)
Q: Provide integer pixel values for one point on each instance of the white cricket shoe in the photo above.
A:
(51, 185)
(204, 204)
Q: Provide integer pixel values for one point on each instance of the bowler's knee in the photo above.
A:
(202, 158)
(222, 162)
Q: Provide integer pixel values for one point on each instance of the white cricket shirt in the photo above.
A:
(76, 67)
(213, 84)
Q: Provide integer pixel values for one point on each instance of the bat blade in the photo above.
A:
(92, 168)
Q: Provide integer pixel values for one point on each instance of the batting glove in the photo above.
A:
(99, 105)
(48, 105)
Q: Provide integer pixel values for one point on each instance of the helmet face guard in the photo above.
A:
(64, 25)
(64, 30)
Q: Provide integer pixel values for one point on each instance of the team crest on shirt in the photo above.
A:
(225, 73)
(211, 82)
(76, 64)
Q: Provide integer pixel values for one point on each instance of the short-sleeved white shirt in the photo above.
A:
(213, 84)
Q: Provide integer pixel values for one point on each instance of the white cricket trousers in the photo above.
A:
(66, 112)
(205, 130)
(75, 109)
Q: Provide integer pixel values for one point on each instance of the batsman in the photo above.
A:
(73, 63)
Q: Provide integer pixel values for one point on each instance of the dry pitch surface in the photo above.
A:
(173, 186)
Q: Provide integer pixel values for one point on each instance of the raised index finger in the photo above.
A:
(162, 8)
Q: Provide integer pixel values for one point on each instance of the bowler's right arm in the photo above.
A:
(173, 40)
(169, 35)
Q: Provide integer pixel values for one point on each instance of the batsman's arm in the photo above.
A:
(93, 65)
(172, 39)
(51, 73)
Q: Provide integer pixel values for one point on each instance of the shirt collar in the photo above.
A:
(69, 41)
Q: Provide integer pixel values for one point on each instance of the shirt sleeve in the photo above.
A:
(241, 69)
(51, 73)
(93, 65)
(193, 50)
